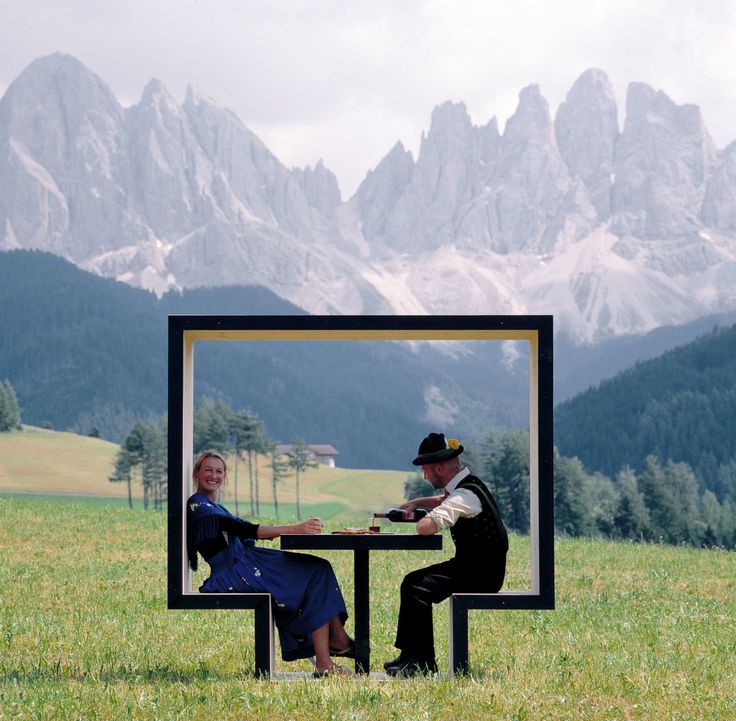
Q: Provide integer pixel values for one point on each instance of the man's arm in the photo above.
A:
(426, 526)
(461, 503)
(427, 502)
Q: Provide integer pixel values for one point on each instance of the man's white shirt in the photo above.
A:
(460, 503)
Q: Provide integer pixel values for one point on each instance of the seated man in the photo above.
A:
(469, 510)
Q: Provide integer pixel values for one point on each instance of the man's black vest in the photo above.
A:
(481, 542)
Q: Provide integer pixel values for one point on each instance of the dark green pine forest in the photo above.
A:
(680, 407)
(84, 352)
(649, 454)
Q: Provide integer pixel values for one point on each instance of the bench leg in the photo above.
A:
(458, 637)
(361, 622)
(264, 651)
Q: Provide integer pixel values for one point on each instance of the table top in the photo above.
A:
(362, 541)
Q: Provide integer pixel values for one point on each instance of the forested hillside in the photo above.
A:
(84, 352)
(679, 407)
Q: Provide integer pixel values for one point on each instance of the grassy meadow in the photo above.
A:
(641, 632)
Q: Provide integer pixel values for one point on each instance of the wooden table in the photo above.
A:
(361, 545)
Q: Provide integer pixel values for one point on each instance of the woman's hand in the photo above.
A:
(312, 525)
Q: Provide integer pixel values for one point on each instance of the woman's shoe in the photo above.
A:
(333, 670)
(348, 652)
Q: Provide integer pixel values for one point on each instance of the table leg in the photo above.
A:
(362, 611)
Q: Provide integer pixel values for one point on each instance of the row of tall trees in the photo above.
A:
(9, 409)
(661, 503)
(240, 434)
(142, 456)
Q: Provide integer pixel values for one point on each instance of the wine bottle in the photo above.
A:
(396, 515)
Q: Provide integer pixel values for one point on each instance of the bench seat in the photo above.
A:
(263, 622)
(461, 603)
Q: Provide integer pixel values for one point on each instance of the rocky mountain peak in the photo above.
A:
(719, 203)
(154, 90)
(531, 116)
(62, 98)
(444, 178)
(321, 188)
(613, 232)
(62, 136)
(586, 129)
(196, 96)
(532, 188)
(449, 118)
(377, 195)
(661, 164)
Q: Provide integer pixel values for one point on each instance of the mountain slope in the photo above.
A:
(84, 351)
(613, 231)
(680, 406)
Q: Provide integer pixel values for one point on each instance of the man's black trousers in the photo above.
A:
(425, 586)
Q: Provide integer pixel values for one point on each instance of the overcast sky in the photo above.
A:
(343, 80)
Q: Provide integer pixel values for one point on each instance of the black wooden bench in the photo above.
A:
(263, 622)
(461, 603)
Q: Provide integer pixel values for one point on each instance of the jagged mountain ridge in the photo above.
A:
(614, 231)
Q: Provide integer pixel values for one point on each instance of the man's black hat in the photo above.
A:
(435, 449)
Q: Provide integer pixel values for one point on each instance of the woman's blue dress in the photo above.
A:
(304, 590)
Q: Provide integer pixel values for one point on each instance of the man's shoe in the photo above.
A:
(411, 667)
(401, 658)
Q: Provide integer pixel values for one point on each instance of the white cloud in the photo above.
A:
(343, 81)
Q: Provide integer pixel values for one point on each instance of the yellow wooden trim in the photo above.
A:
(383, 334)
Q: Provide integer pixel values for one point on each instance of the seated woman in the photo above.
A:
(309, 609)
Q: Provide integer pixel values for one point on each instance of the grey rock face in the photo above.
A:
(531, 186)
(586, 128)
(61, 135)
(377, 195)
(719, 203)
(613, 233)
(157, 194)
(424, 216)
(661, 166)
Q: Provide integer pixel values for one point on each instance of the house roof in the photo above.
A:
(319, 449)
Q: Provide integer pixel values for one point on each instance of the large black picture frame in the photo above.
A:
(184, 330)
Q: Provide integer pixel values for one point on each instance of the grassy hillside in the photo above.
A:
(40, 461)
(642, 632)
(48, 462)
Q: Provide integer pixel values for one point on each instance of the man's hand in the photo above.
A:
(427, 502)
(409, 507)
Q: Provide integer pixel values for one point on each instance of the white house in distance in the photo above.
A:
(322, 453)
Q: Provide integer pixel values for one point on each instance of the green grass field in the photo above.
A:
(640, 632)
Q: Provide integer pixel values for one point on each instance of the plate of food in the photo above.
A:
(354, 531)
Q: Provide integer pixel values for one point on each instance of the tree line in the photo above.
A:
(232, 433)
(9, 410)
(661, 503)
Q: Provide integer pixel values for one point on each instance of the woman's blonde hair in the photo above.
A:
(201, 458)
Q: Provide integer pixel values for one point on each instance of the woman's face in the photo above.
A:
(210, 476)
